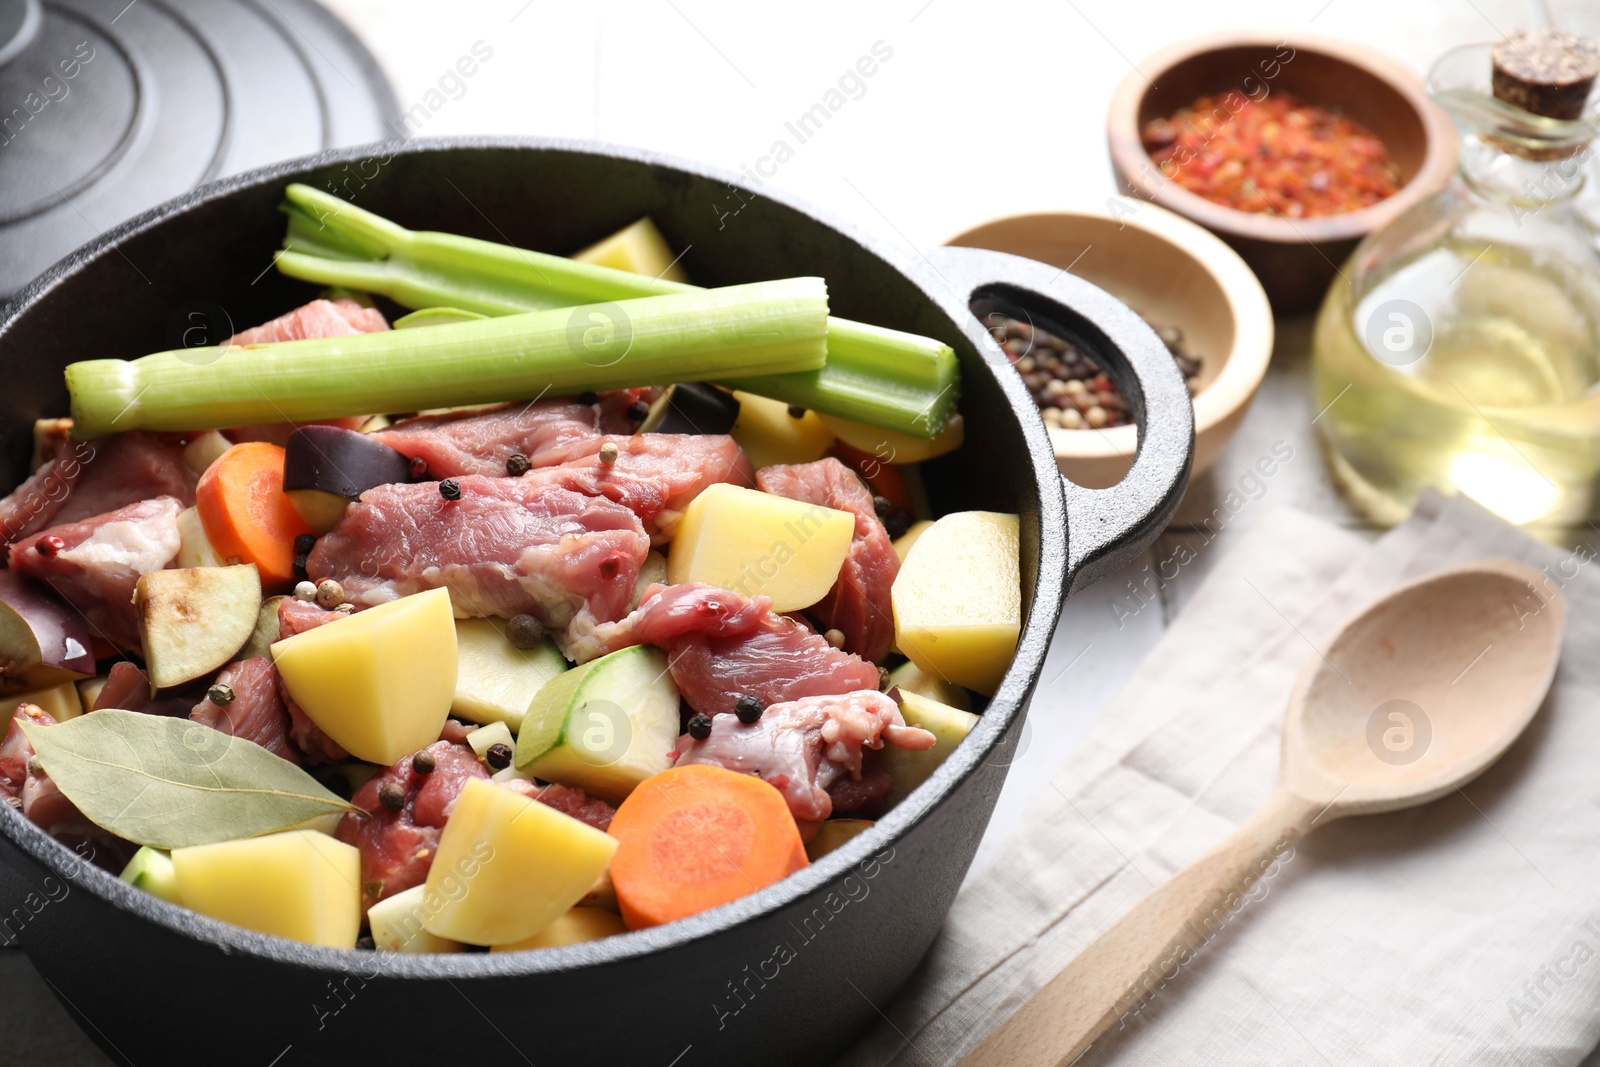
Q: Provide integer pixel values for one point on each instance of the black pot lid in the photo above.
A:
(109, 107)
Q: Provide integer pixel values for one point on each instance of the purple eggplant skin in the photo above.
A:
(339, 461)
(42, 640)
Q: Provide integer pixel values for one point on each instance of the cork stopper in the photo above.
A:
(1546, 72)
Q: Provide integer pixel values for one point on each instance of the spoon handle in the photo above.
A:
(1118, 974)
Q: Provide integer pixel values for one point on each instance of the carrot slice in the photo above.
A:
(245, 513)
(692, 838)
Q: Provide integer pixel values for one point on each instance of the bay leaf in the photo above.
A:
(167, 782)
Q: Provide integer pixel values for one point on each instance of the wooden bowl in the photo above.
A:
(1295, 259)
(1173, 273)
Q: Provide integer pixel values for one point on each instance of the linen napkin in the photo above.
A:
(1465, 931)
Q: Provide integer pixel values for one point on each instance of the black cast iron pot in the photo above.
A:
(785, 976)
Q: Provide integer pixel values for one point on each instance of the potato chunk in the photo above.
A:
(758, 544)
(380, 682)
(508, 866)
(576, 926)
(300, 884)
(958, 599)
(769, 433)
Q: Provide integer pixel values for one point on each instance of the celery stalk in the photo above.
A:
(766, 327)
(882, 377)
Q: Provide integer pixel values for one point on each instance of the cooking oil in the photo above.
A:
(1460, 346)
(1471, 368)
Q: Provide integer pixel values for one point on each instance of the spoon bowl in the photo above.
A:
(1421, 691)
(1416, 695)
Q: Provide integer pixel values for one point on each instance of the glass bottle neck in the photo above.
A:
(1504, 177)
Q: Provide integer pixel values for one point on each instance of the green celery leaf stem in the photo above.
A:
(775, 327)
(889, 378)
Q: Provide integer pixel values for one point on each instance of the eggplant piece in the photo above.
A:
(692, 407)
(42, 641)
(326, 467)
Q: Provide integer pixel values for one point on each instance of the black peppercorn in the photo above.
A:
(450, 489)
(304, 543)
(524, 632)
(699, 726)
(498, 756)
(638, 410)
(796, 411)
(300, 566)
(220, 694)
(588, 398)
(392, 796)
(896, 525)
(748, 708)
(517, 465)
(881, 505)
(419, 468)
(423, 762)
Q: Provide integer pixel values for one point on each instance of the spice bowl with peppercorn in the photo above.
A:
(1196, 293)
(1289, 149)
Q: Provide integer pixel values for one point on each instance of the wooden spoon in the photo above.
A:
(1417, 695)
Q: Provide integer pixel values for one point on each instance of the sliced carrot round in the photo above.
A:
(245, 513)
(692, 838)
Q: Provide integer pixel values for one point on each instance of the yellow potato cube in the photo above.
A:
(892, 447)
(396, 924)
(61, 701)
(300, 884)
(380, 683)
(769, 434)
(758, 544)
(507, 866)
(639, 249)
(577, 925)
(903, 543)
(958, 599)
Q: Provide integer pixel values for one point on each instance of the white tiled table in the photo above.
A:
(980, 109)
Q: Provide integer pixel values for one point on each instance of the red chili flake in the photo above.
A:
(1274, 156)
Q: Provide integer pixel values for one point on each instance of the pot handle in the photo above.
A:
(1106, 528)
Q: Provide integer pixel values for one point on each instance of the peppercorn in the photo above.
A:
(450, 489)
(330, 594)
(423, 762)
(517, 464)
(748, 708)
(638, 411)
(305, 591)
(346, 608)
(524, 631)
(300, 562)
(896, 525)
(834, 638)
(419, 468)
(304, 543)
(220, 694)
(699, 726)
(881, 505)
(608, 453)
(498, 756)
(392, 796)
(35, 768)
(588, 398)
(796, 411)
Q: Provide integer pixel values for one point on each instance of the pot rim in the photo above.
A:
(1009, 701)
